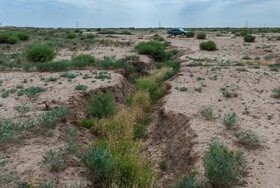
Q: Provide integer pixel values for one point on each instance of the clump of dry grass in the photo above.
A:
(263, 62)
(142, 99)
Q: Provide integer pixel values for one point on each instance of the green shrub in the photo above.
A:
(155, 91)
(276, 93)
(249, 38)
(81, 87)
(125, 33)
(53, 159)
(86, 123)
(222, 166)
(229, 119)
(248, 139)
(201, 36)
(47, 184)
(52, 79)
(90, 36)
(229, 94)
(190, 34)
(209, 46)
(132, 57)
(162, 165)
(12, 40)
(5, 94)
(67, 75)
(139, 131)
(158, 38)
(10, 129)
(101, 105)
(52, 66)
(206, 112)
(22, 36)
(40, 54)
(8, 38)
(71, 36)
(100, 163)
(20, 93)
(33, 91)
(243, 33)
(153, 48)
(187, 182)
(50, 118)
(82, 60)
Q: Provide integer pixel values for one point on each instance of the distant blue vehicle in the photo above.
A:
(176, 31)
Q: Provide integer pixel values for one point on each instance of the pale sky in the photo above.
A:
(140, 13)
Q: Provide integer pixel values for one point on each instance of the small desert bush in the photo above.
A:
(209, 46)
(10, 129)
(138, 131)
(190, 34)
(52, 66)
(86, 123)
(132, 57)
(101, 105)
(71, 36)
(142, 100)
(50, 118)
(124, 33)
(70, 146)
(69, 75)
(118, 133)
(53, 159)
(22, 36)
(33, 91)
(187, 182)
(90, 36)
(243, 33)
(81, 87)
(82, 60)
(248, 139)
(206, 112)
(155, 91)
(40, 54)
(276, 93)
(229, 119)
(158, 38)
(153, 48)
(49, 184)
(100, 163)
(201, 36)
(8, 38)
(249, 38)
(229, 92)
(222, 166)
(22, 109)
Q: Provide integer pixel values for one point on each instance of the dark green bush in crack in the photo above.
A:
(101, 105)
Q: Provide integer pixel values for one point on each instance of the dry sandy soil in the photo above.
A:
(24, 154)
(177, 134)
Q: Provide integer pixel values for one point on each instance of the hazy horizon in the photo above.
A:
(140, 13)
